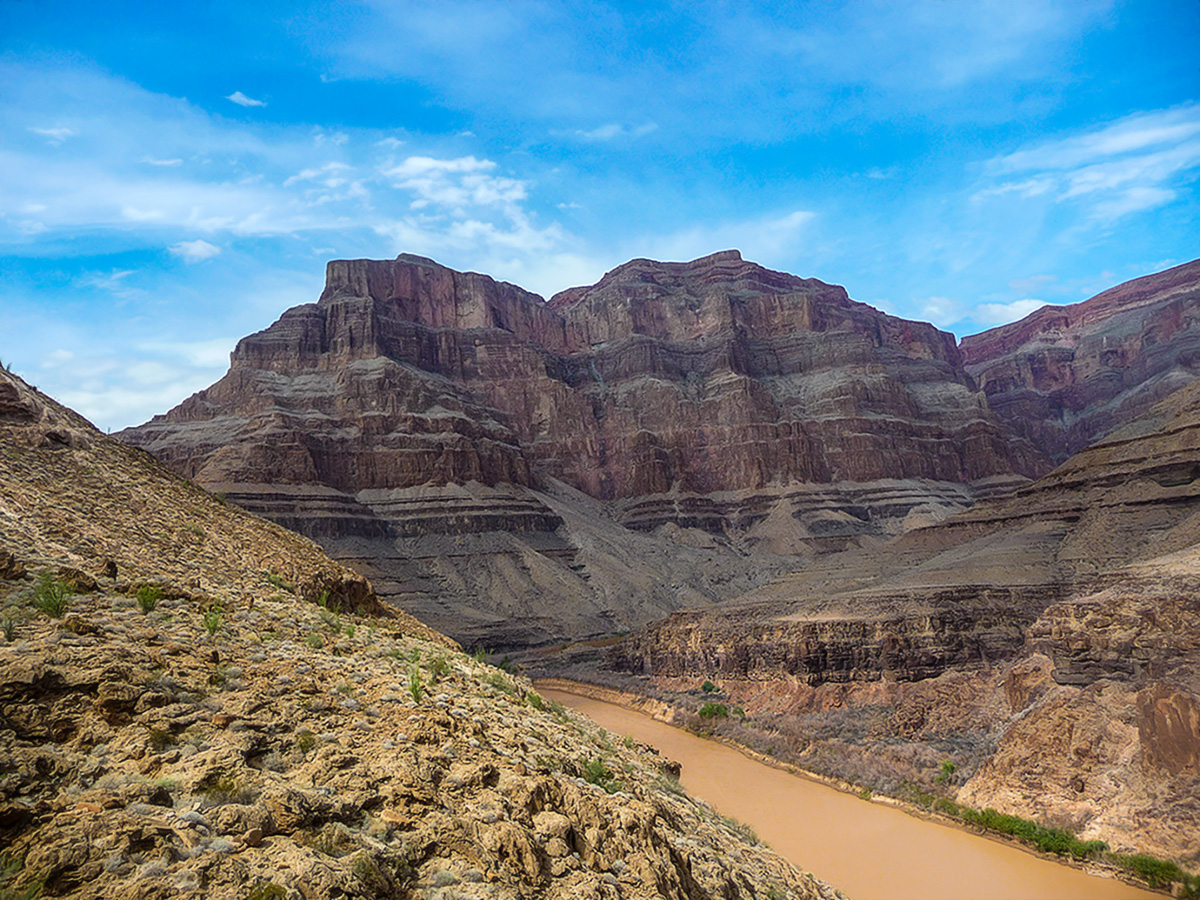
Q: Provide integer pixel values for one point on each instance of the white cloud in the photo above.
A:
(206, 353)
(1115, 170)
(613, 130)
(456, 183)
(941, 311)
(992, 314)
(56, 135)
(195, 251)
(242, 100)
(769, 240)
(163, 162)
(57, 358)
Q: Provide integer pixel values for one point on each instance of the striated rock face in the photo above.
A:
(1065, 375)
(450, 435)
(1046, 642)
(291, 750)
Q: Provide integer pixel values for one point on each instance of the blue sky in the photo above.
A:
(174, 176)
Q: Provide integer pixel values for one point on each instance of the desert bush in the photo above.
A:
(213, 616)
(52, 596)
(708, 687)
(148, 596)
(596, 771)
(712, 710)
(1158, 873)
(267, 890)
(415, 688)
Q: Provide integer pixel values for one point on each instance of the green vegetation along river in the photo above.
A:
(867, 850)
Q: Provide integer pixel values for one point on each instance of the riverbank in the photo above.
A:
(1096, 879)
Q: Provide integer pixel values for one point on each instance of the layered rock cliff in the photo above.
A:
(1065, 375)
(1046, 642)
(189, 725)
(507, 467)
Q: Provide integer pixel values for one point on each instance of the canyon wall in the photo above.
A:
(1064, 375)
(521, 471)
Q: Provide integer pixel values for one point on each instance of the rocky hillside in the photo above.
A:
(496, 463)
(177, 719)
(1065, 375)
(1046, 643)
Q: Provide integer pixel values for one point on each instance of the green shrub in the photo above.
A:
(314, 641)
(439, 666)
(415, 688)
(708, 687)
(946, 773)
(596, 771)
(1048, 840)
(52, 596)
(1158, 873)
(742, 830)
(213, 616)
(225, 789)
(8, 625)
(267, 890)
(161, 738)
(305, 740)
(712, 710)
(148, 596)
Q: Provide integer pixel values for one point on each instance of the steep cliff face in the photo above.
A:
(1065, 375)
(1047, 642)
(451, 436)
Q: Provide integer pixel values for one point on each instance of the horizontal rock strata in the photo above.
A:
(712, 397)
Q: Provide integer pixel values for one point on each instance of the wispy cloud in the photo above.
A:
(612, 130)
(768, 240)
(1124, 167)
(55, 136)
(195, 251)
(242, 100)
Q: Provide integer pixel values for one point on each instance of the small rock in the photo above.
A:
(253, 837)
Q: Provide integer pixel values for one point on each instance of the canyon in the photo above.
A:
(514, 471)
(888, 551)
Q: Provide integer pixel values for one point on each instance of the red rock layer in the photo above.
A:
(1065, 375)
(713, 375)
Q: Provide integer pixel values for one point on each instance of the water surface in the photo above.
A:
(868, 850)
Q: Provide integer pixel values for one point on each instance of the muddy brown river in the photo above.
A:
(867, 850)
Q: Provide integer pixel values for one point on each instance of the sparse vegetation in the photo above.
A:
(224, 790)
(1158, 873)
(52, 596)
(161, 739)
(305, 740)
(742, 830)
(267, 890)
(947, 772)
(415, 688)
(10, 868)
(596, 771)
(278, 582)
(148, 596)
(213, 616)
(439, 666)
(8, 626)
